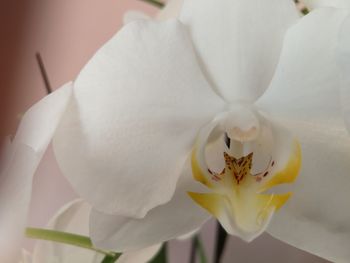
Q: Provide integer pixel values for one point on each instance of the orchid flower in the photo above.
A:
(178, 104)
(210, 114)
(74, 218)
(23, 156)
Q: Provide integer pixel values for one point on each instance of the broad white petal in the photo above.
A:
(172, 9)
(137, 107)
(304, 95)
(176, 218)
(239, 42)
(32, 138)
(312, 4)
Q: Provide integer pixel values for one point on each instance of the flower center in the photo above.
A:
(255, 155)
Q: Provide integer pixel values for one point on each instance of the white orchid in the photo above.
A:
(74, 218)
(225, 92)
(23, 156)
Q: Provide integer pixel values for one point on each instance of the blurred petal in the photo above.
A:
(33, 136)
(304, 95)
(176, 218)
(239, 42)
(137, 107)
(26, 257)
(15, 193)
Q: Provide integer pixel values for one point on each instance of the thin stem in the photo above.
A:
(162, 256)
(155, 3)
(197, 247)
(221, 237)
(201, 250)
(43, 72)
(66, 238)
(193, 250)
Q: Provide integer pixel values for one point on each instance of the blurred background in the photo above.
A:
(66, 33)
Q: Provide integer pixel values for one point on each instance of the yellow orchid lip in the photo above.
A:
(237, 198)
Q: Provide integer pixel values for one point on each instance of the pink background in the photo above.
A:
(67, 33)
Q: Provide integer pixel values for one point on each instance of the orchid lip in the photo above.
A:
(236, 194)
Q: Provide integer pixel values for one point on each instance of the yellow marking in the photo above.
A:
(274, 200)
(290, 171)
(209, 201)
(197, 171)
(247, 207)
(247, 215)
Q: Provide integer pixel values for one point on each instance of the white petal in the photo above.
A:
(176, 218)
(72, 218)
(134, 15)
(33, 136)
(239, 42)
(40, 121)
(312, 4)
(137, 107)
(305, 96)
(172, 9)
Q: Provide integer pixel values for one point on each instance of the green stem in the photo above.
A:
(221, 238)
(155, 3)
(162, 255)
(201, 250)
(66, 238)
